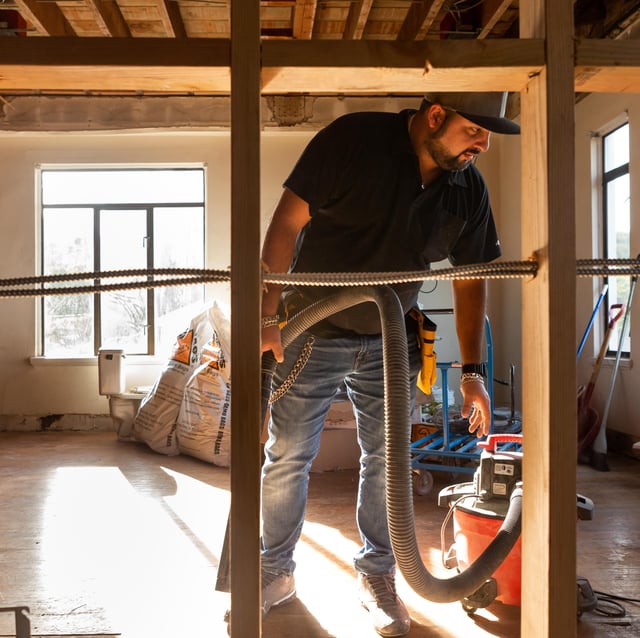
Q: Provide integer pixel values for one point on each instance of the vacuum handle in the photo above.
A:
(493, 439)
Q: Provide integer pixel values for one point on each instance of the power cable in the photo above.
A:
(609, 605)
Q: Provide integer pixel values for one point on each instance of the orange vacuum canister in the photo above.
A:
(475, 525)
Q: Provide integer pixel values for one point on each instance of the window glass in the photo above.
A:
(122, 186)
(178, 241)
(104, 220)
(616, 148)
(124, 312)
(67, 247)
(617, 217)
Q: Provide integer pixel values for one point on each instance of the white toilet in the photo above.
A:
(123, 406)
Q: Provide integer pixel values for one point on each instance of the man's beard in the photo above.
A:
(443, 158)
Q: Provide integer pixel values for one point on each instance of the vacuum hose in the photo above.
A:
(398, 455)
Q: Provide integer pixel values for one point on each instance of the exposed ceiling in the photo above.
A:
(153, 48)
(401, 20)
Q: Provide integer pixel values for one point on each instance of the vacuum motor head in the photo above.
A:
(497, 475)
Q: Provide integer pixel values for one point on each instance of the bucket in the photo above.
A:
(473, 530)
(111, 372)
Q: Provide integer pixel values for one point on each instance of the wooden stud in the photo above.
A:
(548, 327)
(246, 614)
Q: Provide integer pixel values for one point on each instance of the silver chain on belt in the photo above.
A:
(298, 366)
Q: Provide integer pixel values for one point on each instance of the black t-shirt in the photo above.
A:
(369, 212)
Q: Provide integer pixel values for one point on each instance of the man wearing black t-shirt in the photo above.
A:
(373, 192)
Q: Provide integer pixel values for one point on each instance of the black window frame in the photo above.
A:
(150, 208)
(607, 178)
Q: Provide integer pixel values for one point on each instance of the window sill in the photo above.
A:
(132, 360)
(609, 362)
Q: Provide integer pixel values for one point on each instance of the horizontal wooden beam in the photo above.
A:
(370, 67)
(202, 65)
(60, 64)
(607, 66)
(364, 67)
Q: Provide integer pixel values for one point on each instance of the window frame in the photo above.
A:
(607, 177)
(149, 208)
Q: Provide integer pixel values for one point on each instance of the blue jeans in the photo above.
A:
(295, 426)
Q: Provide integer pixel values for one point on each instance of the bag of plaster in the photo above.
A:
(203, 426)
(155, 422)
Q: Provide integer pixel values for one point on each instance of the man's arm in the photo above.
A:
(290, 216)
(470, 306)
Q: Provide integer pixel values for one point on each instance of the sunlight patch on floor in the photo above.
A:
(105, 537)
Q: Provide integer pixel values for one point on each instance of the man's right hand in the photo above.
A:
(271, 341)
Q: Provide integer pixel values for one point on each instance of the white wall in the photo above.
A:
(593, 113)
(32, 388)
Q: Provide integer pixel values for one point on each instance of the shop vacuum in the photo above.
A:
(478, 509)
(486, 512)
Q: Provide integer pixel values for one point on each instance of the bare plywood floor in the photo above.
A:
(100, 537)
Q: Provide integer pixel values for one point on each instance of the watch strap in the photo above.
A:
(474, 368)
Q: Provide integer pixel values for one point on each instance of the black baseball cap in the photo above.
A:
(484, 109)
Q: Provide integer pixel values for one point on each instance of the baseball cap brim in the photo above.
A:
(486, 109)
(494, 124)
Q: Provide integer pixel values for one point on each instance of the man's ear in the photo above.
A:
(436, 115)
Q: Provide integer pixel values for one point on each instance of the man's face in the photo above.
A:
(457, 142)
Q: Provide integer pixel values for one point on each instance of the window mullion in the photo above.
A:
(614, 173)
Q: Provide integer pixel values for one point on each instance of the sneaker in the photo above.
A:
(377, 594)
(277, 590)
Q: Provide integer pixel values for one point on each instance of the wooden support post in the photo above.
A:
(246, 614)
(548, 326)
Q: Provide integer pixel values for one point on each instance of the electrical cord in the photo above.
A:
(445, 522)
(609, 606)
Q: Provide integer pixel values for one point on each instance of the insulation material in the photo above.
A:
(203, 426)
(155, 422)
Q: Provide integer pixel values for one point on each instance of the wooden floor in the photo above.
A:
(106, 538)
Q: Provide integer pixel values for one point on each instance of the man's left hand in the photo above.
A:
(476, 407)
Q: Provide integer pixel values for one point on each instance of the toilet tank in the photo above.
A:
(111, 372)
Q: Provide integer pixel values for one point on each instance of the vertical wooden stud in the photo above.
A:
(548, 316)
(246, 614)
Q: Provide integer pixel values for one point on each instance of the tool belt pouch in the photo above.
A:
(426, 341)
(291, 303)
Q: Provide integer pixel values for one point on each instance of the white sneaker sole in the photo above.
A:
(285, 600)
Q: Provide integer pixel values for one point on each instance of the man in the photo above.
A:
(372, 192)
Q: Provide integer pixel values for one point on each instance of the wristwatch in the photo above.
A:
(474, 368)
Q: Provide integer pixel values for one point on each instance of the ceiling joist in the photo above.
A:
(109, 18)
(202, 66)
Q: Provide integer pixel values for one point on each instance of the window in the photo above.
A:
(616, 211)
(119, 219)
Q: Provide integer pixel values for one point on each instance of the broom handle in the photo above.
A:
(615, 312)
(605, 416)
(592, 319)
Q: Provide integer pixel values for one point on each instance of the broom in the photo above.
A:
(599, 450)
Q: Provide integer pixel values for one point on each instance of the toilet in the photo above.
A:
(123, 405)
